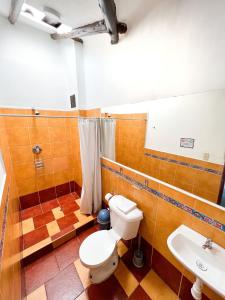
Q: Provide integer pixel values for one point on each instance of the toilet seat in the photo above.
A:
(97, 248)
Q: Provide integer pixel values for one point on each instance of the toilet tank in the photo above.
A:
(125, 217)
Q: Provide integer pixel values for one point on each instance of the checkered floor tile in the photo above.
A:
(50, 220)
(60, 275)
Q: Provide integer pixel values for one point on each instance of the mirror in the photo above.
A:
(178, 140)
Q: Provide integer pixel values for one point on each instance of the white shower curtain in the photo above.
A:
(91, 166)
(108, 138)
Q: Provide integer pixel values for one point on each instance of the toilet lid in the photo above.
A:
(97, 248)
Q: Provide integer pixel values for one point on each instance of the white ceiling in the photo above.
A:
(73, 12)
(80, 12)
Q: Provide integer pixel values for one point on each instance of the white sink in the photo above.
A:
(208, 265)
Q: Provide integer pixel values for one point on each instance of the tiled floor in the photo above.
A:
(60, 275)
(48, 221)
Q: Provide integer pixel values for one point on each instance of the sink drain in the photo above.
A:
(201, 266)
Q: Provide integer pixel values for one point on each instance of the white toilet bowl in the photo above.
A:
(98, 253)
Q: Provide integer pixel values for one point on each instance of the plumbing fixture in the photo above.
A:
(207, 244)
(36, 149)
(39, 163)
(35, 112)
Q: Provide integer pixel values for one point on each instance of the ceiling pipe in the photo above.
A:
(15, 9)
(108, 25)
(108, 8)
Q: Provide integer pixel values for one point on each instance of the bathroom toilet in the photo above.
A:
(98, 252)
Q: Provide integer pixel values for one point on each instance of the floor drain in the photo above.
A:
(201, 266)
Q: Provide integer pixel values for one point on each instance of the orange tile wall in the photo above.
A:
(130, 151)
(160, 217)
(10, 277)
(59, 140)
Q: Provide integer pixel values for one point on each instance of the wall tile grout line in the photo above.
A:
(170, 200)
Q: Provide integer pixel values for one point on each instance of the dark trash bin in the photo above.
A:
(103, 219)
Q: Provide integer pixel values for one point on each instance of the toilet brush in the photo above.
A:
(138, 258)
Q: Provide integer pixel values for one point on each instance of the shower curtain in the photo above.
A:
(91, 166)
(108, 138)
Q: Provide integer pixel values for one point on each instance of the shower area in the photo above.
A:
(44, 147)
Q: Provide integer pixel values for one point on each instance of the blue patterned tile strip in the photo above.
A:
(172, 201)
(4, 226)
(182, 163)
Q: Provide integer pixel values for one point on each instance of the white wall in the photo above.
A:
(35, 71)
(199, 116)
(173, 47)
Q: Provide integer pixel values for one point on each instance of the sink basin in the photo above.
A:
(208, 265)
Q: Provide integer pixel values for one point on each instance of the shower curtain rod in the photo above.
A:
(69, 117)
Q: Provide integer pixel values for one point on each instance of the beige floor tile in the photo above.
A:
(121, 248)
(156, 288)
(53, 228)
(36, 247)
(38, 294)
(83, 273)
(81, 217)
(78, 201)
(83, 296)
(126, 279)
(27, 225)
(79, 224)
(57, 213)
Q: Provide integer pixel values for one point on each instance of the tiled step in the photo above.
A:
(49, 224)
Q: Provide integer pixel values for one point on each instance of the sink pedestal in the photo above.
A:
(196, 289)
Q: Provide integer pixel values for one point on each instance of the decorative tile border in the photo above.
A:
(4, 221)
(172, 201)
(182, 163)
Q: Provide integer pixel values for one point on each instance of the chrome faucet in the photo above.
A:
(207, 244)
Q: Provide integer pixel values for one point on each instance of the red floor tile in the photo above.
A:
(48, 194)
(29, 200)
(72, 186)
(69, 207)
(109, 289)
(40, 271)
(43, 219)
(67, 221)
(67, 253)
(66, 285)
(78, 189)
(49, 205)
(166, 271)
(31, 212)
(66, 199)
(62, 189)
(139, 293)
(35, 236)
